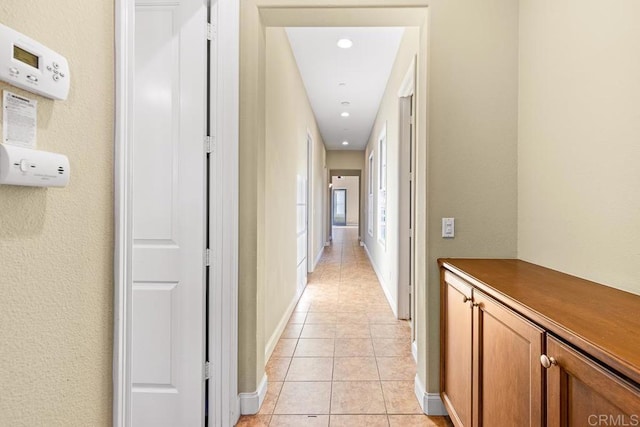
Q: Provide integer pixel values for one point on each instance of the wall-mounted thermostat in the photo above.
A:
(29, 65)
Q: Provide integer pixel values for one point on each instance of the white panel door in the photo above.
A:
(168, 303)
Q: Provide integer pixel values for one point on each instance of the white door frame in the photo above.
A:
(311, 259)
(224, 405)
(224, 402)
(407, 89)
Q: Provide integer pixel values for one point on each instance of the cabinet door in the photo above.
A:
(582, 393)
(456, 355)
(507, 380)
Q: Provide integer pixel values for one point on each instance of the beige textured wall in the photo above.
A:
(579, 139)
(385, 257)
(472, 154)
(251, 341)
(352, 185)
(56, 282)
(288, 116)
(345, 159)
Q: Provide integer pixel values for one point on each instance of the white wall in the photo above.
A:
(579, 139)
(352, 185)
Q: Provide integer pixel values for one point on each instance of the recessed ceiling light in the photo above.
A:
(342, 84)
(345, 142)
(345, 114)
(345, 43)
(345, 103)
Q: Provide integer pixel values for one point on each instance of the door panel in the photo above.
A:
(169, 176)
(456, 351)
(581, 393)
(507, 372)
(156, 133)
(152, 333)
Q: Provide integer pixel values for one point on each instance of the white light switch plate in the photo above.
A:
(448, 227)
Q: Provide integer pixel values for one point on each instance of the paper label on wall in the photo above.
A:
(19, 115)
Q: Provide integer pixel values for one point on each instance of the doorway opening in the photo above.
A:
(349, 208)
(267, 52)
(345, 200)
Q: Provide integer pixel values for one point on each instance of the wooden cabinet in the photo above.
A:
(457, 357)
(510, 359)
(583, 393)
(491, 372)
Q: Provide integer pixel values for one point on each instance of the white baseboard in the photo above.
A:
(275, 337)
(361, 243)
(383, 284)
(431, 403)
(315, 263)
(414, 350)
(250, 402)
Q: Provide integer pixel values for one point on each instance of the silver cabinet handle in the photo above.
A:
(547, 361)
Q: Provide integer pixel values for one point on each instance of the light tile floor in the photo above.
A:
(343, 359)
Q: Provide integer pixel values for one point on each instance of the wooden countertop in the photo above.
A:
(602, 321)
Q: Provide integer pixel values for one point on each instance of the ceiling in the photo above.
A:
(333, 75)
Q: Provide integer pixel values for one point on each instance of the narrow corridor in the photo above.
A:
(343, 359)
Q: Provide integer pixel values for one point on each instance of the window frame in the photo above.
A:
(382, 187)
(370, 201)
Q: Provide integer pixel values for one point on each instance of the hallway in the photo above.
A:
(343, 359)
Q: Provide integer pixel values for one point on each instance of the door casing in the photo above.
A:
(406, 200)
(311, 259)
(329, 206)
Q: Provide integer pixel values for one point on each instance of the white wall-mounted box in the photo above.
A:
(33, 168)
